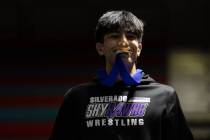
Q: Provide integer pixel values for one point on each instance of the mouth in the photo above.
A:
(123, 50)
(125, 54)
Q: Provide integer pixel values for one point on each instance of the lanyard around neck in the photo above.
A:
(119, 69)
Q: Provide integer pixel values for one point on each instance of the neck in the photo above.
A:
(131, 70)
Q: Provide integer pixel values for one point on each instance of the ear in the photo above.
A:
(139, 49)
(100, 48)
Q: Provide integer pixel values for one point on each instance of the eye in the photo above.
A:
(131, 36)
(113, 35)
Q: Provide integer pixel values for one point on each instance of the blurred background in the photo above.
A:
(47, 46)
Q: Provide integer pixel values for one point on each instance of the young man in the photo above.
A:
(122, 103)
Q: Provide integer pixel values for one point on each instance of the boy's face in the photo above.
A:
(117, 41)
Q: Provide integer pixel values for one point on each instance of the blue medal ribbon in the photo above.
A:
(119, 69)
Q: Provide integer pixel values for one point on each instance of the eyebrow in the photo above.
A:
(118, 32)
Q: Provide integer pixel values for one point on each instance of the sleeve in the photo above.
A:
(64, 126)
(175, 122)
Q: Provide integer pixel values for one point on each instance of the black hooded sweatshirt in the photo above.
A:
(148, 111)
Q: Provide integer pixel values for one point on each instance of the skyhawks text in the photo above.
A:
(116, 111)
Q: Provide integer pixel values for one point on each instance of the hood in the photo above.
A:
(146, 79)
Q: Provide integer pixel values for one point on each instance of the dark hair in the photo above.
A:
(118, 21)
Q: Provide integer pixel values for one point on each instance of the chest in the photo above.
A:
(123, 108)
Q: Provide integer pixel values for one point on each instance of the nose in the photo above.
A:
(123, 41)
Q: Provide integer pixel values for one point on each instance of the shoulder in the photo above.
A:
(166, 88)
(150, 84)
(158, 87)
(172, 97)
(80, 89)
(164, 91)
(170, 93)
